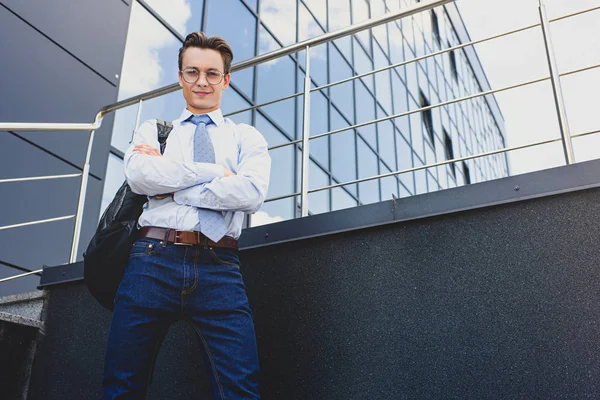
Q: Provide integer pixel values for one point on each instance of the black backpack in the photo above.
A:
(107, 255)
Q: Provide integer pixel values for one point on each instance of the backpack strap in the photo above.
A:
(163, 129)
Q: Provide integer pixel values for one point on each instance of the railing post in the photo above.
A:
(558, 95)
(82, 192)
(305, 136)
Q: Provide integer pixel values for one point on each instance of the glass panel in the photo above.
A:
(280, 17)
(239, 32)
(115, 176)
(363, 64)
(252, 4)
(184, 16)
(231, 102)
(367, 167)
(382, 81)
(319, 10)
(341, 199)
(339, 17)
(399, 94)
(387, 147)
(318, 202)
(343, 152)
(276, 79)
(341, 95)
(404, 156)
(273, 211)
(123, 127)
(167, 107)
(389, 185)
(282, 159)
(360, 12)
(150, 59)
(365, 112)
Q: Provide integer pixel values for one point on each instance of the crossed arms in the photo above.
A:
(202, 185)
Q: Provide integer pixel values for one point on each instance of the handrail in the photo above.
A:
(294, 48)
(306, 45)
(40, 178)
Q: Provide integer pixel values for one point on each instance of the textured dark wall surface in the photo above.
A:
(495, 303)
(59, 61)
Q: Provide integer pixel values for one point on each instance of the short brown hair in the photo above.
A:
(200, 40)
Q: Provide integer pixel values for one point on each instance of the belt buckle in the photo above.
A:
(176, 242)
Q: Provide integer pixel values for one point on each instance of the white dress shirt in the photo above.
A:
(238, 147)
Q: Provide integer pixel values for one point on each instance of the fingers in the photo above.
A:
(146, 149)
(228, 172)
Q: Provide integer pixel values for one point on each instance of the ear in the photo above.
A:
(180, 79)
(226, 80)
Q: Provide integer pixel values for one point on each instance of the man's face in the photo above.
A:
(202, 95)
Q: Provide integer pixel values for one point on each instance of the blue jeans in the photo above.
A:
(163, 284)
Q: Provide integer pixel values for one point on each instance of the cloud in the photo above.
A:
(142, 70)
(263, 218)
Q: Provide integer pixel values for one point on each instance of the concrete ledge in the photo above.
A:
(23, 309)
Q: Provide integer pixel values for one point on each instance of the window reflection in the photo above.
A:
(367, 167)
(383, 147)
(272, 212)
(239, 32)
(184, 16)
(276, 79)
(233, 101)
(343, 152)
(280, 17)
(150, 59)
(318, 202)
(115, 176)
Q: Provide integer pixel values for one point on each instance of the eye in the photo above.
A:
(190, 72)
(214, 74)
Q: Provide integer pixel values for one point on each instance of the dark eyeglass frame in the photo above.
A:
(222, 75)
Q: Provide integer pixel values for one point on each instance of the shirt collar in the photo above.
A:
(215, 116)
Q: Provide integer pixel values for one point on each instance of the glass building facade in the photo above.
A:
(253, 27)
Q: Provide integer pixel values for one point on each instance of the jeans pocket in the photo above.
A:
(144, 247)
(225, 257)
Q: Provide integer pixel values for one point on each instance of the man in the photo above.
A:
(184, 264)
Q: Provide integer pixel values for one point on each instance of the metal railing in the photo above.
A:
(306, 46)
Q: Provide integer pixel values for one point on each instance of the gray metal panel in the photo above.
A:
(492, 303)
(62, 90)
(93, 31)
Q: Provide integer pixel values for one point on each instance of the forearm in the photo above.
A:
(152, 175)
(234, 193)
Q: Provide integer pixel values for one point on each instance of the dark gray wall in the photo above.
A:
(59, 63)
(491, 303)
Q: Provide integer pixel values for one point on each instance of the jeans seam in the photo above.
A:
(191, 289)
(210, 357)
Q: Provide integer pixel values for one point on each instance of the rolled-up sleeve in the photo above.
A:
(152, 175)
(245, 191)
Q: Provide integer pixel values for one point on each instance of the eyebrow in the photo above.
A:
(209, 69)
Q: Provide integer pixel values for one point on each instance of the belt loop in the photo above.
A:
(204, 240)
(166, 239)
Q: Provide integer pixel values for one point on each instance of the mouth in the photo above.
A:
(202, 94)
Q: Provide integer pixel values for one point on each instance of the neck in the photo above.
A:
(195, 110)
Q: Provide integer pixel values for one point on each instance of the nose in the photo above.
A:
(202, 81)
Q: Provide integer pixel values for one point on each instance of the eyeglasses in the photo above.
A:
(191, 75)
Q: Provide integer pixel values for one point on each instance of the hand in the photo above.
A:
(147, 150)
(228, 172)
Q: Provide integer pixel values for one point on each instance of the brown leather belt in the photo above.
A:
(189, 238)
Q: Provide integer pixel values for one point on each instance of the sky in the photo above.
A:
(529, 112)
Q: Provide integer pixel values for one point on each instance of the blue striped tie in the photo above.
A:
(211, 223)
